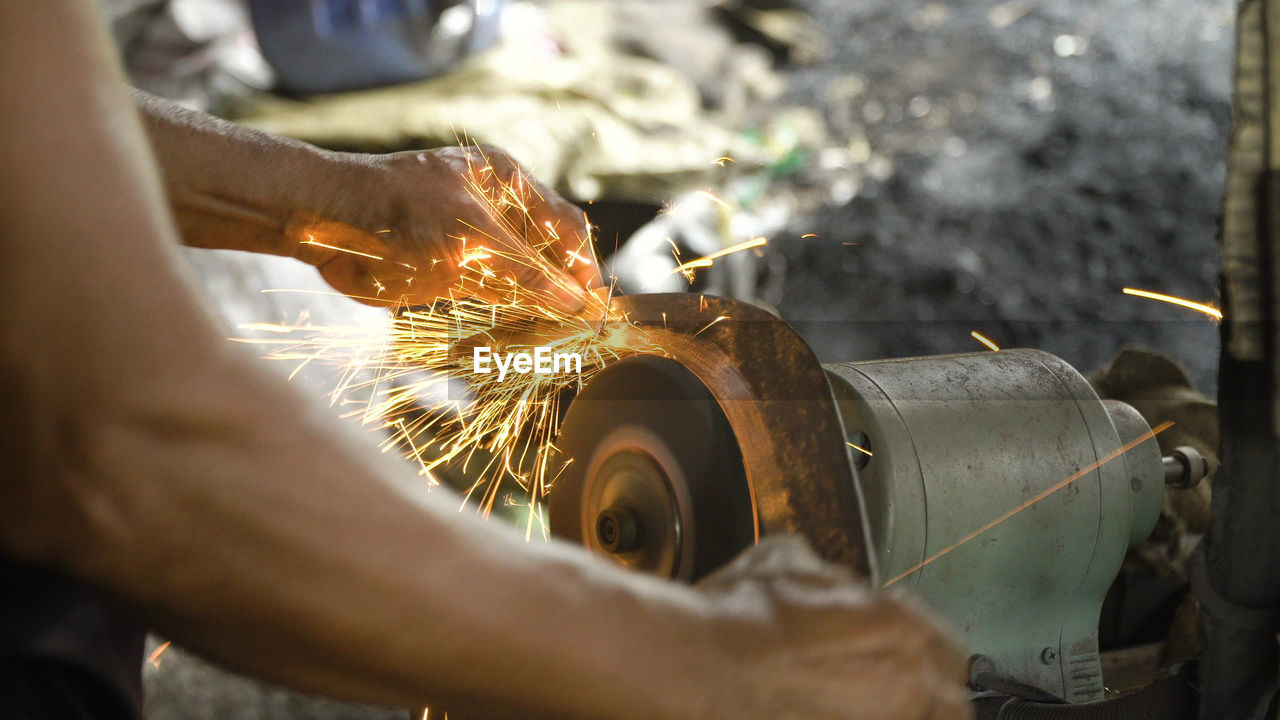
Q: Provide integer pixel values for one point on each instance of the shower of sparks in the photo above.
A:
(1209, 310)
(985, 340)
(413, 376)
(860, 449)
(1042, 495)
(154, 659)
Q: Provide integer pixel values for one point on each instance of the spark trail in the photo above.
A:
(1209, 310)
(1032, 501)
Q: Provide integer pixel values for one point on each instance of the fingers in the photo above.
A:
(831, 644)
(776, 557)
(568, 237)
(489, 223)
(927, 671)
(919, 691)
(944, 646)
(935, 692)
(557, 228)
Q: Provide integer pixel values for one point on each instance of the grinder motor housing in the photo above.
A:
(960, 442)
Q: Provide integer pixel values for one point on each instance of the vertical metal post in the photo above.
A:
(1236, 574)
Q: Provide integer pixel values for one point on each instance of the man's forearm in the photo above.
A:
(298, 555)
(237, 188)
(152, 459)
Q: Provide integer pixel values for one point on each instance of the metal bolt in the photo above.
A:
(980, 665)
(1048, 655)
(616, 530)
(1184, 468)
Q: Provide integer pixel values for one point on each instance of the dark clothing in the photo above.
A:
(65, 653)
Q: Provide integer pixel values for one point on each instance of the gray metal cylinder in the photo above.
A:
(997, 489)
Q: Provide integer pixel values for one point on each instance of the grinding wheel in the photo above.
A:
(725, 433)
(657, 482)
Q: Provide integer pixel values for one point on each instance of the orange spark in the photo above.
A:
(860, 449)
(155, 654)
(711, 196)
(709, 260)
(1042, 495)
(312, 241)
(471, 255)
(1198, 307)
(984, 340)
(332, 293)
(808, 235)
(722, 318)
(577, 258)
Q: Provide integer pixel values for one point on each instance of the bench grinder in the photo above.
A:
(996, 487)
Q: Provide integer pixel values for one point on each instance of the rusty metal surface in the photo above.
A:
(657, 482)
(775, 394)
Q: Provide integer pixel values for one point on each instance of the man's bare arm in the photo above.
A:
(149, 458)
(161, 465)
(243, 189)
(236, 188)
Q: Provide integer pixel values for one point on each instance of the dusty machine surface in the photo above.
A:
(996, 487)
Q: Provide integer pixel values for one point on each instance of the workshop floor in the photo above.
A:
(1028, 160)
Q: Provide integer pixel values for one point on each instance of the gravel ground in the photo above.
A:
(1029, 160)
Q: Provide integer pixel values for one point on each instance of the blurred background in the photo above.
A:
(921, 170)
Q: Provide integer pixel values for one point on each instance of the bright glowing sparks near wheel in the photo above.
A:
(414, 377)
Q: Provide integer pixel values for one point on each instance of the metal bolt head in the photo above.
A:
(1048, 656)
(616, 530)
(1185, 467)
(979, 665)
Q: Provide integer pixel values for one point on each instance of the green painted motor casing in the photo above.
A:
(959, 441)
